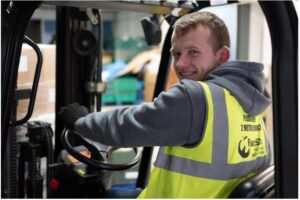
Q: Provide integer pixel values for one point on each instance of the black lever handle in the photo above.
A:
(35, 83)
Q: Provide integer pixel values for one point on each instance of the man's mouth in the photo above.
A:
(186, 74)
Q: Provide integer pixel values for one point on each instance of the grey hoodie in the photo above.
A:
(176, 117)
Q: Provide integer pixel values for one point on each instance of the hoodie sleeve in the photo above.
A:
(171, 119)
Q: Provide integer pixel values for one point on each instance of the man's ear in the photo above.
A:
(223, 55)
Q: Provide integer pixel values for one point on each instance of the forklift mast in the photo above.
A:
(78, 63)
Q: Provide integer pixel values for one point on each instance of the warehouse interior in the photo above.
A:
(128, 61)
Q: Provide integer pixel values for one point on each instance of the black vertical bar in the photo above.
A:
(62, 60)
(15, 16)
(160, 84)
(21, 173)
(283, 24)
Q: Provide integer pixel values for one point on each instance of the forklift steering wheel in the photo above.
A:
(95, 161)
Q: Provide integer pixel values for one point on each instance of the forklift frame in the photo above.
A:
(282, 20)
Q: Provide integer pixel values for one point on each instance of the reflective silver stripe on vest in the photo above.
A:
(218, 168)
(220, 125)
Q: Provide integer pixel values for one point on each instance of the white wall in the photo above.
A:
(228, 13)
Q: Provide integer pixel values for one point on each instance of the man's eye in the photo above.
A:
(193, 52)
(175, 54)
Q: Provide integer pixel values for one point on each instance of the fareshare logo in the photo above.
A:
(243, 145)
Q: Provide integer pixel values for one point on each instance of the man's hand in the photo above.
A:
(71, 113)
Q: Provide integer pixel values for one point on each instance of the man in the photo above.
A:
(211, 133)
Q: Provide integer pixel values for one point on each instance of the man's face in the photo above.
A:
(193, 54)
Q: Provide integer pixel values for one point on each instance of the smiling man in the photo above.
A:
(205, 151)
(197, 50)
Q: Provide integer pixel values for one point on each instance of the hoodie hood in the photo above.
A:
(246, 81)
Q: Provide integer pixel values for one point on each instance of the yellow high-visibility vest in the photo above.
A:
(233, 148)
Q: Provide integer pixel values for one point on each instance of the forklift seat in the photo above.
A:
(261, 185)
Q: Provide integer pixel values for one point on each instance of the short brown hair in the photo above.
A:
(214, 23)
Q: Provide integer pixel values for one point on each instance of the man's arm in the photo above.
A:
(168, 121)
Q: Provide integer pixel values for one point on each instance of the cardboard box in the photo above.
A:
(150, 76)
(172, 78)
(45, 98)
(28, 61)
(44, 102)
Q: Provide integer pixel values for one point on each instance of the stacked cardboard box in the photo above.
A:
(150, 76)
(45, 99)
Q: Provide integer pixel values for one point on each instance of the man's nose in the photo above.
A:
(182, 62)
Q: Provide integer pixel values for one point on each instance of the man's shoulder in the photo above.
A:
(190, 87)
(190, 83)
(185, 88)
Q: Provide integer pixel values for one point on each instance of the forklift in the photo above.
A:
(80, 168)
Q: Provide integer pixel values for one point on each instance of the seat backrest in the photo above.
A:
(261, 185)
